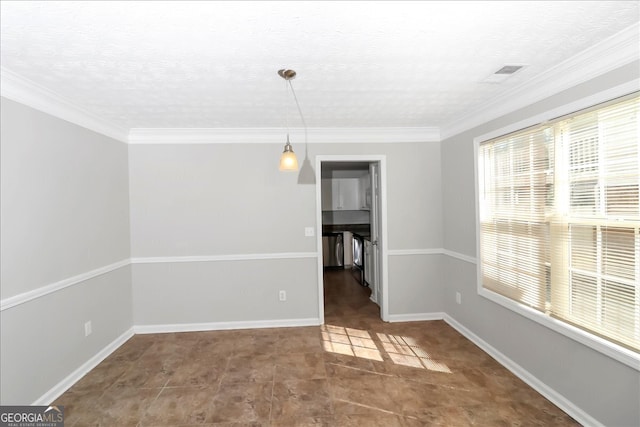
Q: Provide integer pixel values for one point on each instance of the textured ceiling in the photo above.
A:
(360, 64)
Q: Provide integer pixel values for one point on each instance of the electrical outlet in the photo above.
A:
(309, 232)
(282, 295)
(87, 328)
(458, 298)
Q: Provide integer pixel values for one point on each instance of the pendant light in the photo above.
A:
(288, 160)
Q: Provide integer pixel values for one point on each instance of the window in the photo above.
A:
(559, 219)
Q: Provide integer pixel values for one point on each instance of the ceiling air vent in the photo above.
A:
(509, 69)
(503, 73)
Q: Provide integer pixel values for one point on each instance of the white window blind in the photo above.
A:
(560, 219)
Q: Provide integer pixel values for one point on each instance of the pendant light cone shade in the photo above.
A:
(307, 174)
(288, 160)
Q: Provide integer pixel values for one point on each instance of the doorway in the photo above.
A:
(375, 244)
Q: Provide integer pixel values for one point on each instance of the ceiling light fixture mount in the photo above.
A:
(288, 159)
(287, 74)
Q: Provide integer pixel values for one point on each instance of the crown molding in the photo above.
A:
(27, 92)
(277, 135)
(607, 55)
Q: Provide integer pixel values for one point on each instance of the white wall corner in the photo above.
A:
(27, 92)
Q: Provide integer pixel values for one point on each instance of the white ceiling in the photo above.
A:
(360, 64)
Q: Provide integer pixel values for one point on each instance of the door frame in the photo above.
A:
(382, 223)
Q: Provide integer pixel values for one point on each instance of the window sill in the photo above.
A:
(614, 351)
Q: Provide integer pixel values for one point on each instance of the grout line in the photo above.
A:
(273, 387)
(144, 414)
(224, 372)
(217, 388)
(362, 370)
(165, 386)
(324, 367)
(372, 407)
(330, 389)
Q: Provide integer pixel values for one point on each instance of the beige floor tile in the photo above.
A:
(301, 399)
(247, 402)
(250, 369)
(307, 366)
(179, 406)
(204, 371)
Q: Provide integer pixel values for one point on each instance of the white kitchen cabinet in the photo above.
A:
(340, 194)
(364, 192)
(349, 196)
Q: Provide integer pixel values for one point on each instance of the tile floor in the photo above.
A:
(353, 371)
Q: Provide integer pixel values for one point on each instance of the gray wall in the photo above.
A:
(225, 292)
(64, 212)
(606, 389)
(215, 200)
(416, 285)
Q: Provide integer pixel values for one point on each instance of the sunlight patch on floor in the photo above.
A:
(406, 351)
(351, 342)
(401, 350)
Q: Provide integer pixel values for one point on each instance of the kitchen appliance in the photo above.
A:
(358, 256)
(332, 250)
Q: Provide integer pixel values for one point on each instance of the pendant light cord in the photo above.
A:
(297, 104)
(301, 117)
(286, 109)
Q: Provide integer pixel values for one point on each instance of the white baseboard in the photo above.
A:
(218, 326)
(556, 398)
(71, 379)
(415, 317)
